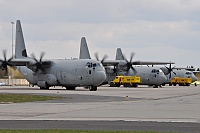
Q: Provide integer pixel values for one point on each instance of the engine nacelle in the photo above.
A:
(50, 79)
(165, 71)
(109, 70)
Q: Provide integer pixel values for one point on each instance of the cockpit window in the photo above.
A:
(99, 65)
(94, 65)
(188, 73)
(89, 65)
(155, 71)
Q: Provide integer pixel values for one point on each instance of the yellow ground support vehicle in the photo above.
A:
(126, 81)
(181, 81)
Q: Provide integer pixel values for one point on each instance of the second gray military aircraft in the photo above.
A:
(152, 76)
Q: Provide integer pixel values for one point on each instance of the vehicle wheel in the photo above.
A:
(117, 84)
(125, 85)
(112, 85)
(135, 85)
(187, 84)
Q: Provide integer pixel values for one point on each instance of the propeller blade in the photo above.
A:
(33, 56)
(129, 64)
(38, 63)
(170, 70)
(133, 69)
(125, 58)
(96, 56)
(10, 59)
(131, 57)
(4, 55)
(105, 57)
(115, 70)
(41, 56)
(5, 63)
(174, 72)
(170, 75)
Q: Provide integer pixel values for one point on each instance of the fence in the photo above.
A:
(15, 82)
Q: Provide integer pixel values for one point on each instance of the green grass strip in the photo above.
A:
(18, 98)
(72, 131)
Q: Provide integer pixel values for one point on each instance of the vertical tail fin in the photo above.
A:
(119, 55)
(20, 48)
(84, 51)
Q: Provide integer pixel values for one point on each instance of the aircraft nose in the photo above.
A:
(100, 76)
(194, 78)
(163, 78)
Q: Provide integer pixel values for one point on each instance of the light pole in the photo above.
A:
(12, 75)
(12, 37)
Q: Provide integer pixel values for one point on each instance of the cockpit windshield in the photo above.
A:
(188, 73)
(89, 65)
(156, 71)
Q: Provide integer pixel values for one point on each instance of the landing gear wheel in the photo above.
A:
(70, 87)
(155, 86)
(45, 88)
(93, 88)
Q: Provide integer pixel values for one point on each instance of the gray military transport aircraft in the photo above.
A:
(172, 72)
(68, 73)
(152, 76)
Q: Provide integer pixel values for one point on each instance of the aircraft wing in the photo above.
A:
(111, 62)
(20, 62)
(123, 62)
(30, 62)
(154, 63)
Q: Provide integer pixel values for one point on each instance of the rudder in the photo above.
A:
(20, 48)
(84, 51)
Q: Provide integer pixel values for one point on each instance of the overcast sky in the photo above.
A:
(155, 30)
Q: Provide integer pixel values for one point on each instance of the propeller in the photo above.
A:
(115, 70)
(129, 64)
(170, 69)
(38, 63)
(97, 57)
(5, 63)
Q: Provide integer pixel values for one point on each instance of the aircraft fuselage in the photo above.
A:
(148, 75)
(74, 72)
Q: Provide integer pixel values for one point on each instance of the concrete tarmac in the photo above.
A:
(151, 106)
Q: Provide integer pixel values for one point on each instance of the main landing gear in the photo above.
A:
(93, 88)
